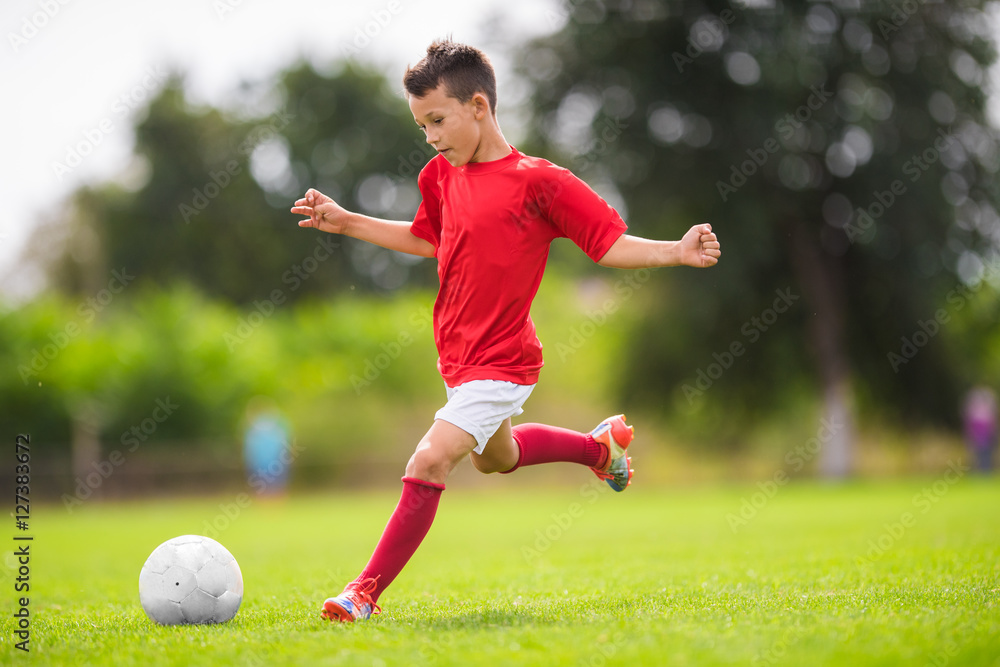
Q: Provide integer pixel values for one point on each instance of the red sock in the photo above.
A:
(406, 529)
(547, 444)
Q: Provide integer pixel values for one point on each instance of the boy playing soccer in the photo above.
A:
(488, 215)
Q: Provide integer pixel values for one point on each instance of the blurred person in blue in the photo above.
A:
(981, 425)
(266, 447)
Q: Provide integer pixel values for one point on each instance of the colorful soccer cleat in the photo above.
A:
(616, 435)
(353, 604)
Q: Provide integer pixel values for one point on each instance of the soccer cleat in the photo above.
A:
(353, 604)
(616, 435)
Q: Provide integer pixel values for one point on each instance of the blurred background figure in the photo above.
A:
(981, 425)
(266, 447)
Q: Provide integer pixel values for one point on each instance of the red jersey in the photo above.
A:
(491, 224)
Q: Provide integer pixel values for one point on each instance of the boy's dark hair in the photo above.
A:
(464, 70)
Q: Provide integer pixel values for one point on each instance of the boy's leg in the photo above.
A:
(602, 450)
(439, 451)
(501, 453)
(511, 448)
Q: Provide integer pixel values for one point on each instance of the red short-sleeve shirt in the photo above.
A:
(491, 224)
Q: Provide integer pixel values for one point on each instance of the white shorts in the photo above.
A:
(478, 407)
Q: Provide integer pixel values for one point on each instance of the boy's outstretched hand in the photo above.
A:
(699, 247)
(326, 215)
(323, 213)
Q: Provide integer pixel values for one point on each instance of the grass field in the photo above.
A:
(902, 573)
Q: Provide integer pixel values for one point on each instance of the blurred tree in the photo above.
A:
(206, 198)
(840, 151)
(205, 201)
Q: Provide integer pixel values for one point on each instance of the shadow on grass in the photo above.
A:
(436, 615)
(478, 620)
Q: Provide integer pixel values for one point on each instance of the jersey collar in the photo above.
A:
(493, 165)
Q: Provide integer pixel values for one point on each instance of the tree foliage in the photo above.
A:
(206, 199)
(841, 152)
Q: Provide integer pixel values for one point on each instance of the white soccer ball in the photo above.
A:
(190, 579)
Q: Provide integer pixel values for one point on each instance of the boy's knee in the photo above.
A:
(484, 465)
(428, 465)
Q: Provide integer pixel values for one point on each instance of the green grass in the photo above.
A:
(641, 578)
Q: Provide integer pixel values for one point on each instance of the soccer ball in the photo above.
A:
(190, 579)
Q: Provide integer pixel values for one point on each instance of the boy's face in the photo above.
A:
(452, 127)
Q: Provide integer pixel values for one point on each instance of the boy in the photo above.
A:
(488, 215)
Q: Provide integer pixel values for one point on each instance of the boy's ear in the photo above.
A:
(481, 105)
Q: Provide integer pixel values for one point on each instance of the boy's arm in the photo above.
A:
(699, 247)
(327, 215)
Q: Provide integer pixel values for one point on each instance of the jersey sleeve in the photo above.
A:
(581, 215)
(427, 222)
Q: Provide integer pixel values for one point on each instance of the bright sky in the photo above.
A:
(74, 71)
